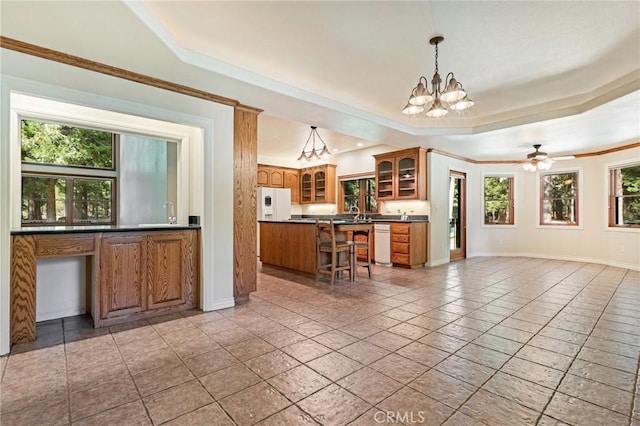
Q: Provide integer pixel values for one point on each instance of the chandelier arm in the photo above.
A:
(307, 143)
(448, 78)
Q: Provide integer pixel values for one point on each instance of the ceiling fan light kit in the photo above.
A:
(438, 102)
(539, 160)
(314, 154)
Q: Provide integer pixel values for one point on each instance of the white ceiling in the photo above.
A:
(564, 74)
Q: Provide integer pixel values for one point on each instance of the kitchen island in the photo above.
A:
(133, 272)
(291, 244)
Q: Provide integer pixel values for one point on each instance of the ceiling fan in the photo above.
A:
(539, 160)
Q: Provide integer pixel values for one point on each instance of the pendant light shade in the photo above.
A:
(438, 102)
(315, 153)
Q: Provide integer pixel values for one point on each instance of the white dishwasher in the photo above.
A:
(382, 244)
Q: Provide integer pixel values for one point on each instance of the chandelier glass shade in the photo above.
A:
(320, 152)
(437, 102)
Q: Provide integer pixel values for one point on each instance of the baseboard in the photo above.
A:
(221, 304)
(437, 262)
(631, 266)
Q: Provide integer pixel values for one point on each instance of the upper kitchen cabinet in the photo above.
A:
(280, 177)
(272, 177)
(292, 181)
(318, 184)
(402, 175)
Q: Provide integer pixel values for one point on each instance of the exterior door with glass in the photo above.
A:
(457, 215)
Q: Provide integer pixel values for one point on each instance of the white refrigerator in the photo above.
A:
(273, 204)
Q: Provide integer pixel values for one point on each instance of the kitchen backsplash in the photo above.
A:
(412, 208)
(388, 208)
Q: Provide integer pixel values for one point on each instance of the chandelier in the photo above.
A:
(314, 154)
(453, 97)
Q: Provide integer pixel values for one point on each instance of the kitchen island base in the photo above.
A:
(291, 245)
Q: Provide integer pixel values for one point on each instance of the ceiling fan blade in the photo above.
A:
(564, 157)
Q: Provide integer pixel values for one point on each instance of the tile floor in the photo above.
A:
(497, 341)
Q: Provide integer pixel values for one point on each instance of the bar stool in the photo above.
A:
(362, 244)
(327, 244)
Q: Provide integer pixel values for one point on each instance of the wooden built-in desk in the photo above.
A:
(132, 272)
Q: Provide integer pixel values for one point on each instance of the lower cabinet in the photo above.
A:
(409, 244)
(123, 275)
(147, 273)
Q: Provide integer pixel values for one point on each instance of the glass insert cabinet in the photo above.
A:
(317, 184)
(402, 175)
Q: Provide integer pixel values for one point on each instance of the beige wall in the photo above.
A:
(592, 241)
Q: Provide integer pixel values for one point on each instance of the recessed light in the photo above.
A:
(360, 144)
(335, 150)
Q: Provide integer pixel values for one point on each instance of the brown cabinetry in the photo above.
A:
(409, 244)
(292, 181)
(168, 262)
(280, 177)
(270, 176)
(140, 272)
(130, 274)
(318, 184)
(402, 175)
(123, 277)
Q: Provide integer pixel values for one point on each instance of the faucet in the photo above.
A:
(172, 217)
(357, 216)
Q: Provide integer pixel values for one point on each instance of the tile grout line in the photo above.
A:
(511, 356)
(636, 388)
(66, 369)
(555, 391)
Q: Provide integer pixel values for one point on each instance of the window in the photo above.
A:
(498, 200)
(68, 174)
(624, 196)
(359, 192)
(559, 198)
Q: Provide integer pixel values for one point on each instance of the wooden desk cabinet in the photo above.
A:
(130, 274)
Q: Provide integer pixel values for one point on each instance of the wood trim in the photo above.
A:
(609, 151)
(23, 289)
(76, 61)
(357, 176)
(461, 253)
(245, 176)
(541, 199)
(587, 154)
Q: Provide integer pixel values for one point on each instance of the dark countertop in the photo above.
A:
(30, 230)
(343, 221)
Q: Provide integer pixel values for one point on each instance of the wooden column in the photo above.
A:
(245, 169)
(23, 289)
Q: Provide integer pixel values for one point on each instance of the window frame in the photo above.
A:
(362, 196)
(512, 208)
(578, 198)
(611, 197)
(70, 219)
(70, 173)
